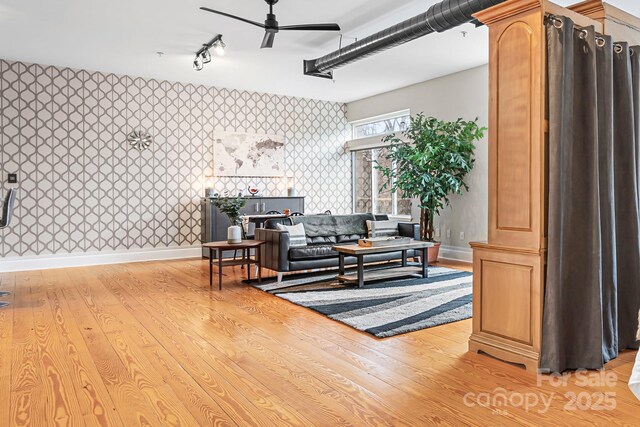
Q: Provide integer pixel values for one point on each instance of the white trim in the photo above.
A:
(44, 262)
(368, 143)
(456, 253)
(381, 117)
(375, 190)
(354, 178)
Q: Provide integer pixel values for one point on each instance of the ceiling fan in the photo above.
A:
(271, 26)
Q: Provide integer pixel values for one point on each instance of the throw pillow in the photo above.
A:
(297, 236)
(382, 228)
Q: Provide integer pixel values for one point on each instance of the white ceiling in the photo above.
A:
(123, 36)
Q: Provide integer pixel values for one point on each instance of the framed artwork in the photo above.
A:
(248, 154)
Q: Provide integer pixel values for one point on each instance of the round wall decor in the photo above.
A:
(139, 139)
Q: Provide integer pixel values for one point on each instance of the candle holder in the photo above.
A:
(209, 187)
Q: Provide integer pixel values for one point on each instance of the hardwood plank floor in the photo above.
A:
(150, 344)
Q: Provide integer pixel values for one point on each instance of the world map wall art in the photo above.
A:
(248, 154)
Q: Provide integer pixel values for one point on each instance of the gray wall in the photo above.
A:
(82, 189)
(466, 95)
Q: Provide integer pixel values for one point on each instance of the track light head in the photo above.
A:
(198, 64)
(219, 46)
(206, 56)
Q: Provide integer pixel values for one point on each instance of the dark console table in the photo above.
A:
(215, 223)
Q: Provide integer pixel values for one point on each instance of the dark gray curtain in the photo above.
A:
(635, 92)
(609, 274)
(608, 264)
(627, 164)
(593, 264)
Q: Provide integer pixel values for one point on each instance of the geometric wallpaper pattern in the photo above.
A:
(83, 189)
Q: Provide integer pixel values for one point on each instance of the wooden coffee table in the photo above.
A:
(403, 271)
(220, 247)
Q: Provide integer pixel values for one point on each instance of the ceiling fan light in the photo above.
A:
(198, 64)
(206, 56)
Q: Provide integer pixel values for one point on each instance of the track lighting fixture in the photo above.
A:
(203, 56)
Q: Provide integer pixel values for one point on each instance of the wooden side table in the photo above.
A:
(245, 245)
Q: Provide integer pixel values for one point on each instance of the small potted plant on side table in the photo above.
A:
(231, 206)
(432, 160)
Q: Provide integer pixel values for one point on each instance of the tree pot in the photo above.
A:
(234, 234)
(433, 253)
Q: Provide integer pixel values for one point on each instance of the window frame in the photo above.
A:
(376, 119)
(368, 143)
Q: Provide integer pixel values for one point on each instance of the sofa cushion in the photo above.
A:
(297, 237)
(272, 223)
(382, 228)
(350, 238)
(312, 252)
(322, 240)
(334, 225)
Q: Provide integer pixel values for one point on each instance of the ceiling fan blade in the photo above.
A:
(312, 27)
(257, 24)
(267, 41)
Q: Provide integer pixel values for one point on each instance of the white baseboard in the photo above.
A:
(44, 262)
(456, 253)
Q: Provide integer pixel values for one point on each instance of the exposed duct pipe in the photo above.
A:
(440, 17)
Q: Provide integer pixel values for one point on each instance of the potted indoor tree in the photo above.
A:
(231, 206)
(432, 159)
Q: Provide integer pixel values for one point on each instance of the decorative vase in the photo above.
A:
(234, 234)
(291, 192)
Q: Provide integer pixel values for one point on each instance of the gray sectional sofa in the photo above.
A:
(322, 233)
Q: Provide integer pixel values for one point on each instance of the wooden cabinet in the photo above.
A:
(508, 292)
(516, 130)
(508, 283)
(509, 269)
(215, 223)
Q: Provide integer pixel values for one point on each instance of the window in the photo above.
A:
(367, 149)
(381, 126)
(367, 180)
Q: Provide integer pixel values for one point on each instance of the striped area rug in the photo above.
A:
(383, 309)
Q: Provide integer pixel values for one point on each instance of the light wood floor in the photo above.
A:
(150, 344)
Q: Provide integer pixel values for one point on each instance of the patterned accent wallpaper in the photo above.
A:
(83, 189)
